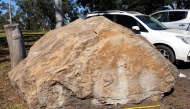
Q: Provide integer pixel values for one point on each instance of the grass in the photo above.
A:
(2, 33)
(30, 37)
(24, 32)
(9, 98)
(4, 65)
(15, 107)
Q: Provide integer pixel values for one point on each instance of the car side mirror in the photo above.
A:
(136, 29)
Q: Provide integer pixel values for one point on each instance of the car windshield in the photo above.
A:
(151, 22)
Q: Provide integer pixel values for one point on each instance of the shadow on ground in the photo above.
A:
(183, 65)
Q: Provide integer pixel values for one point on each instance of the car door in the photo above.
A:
(129, 22)
(178, 20)
(173, 19)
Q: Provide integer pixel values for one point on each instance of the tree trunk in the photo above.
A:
(58, 13)
(16, 44)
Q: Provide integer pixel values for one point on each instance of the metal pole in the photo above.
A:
(10, 11)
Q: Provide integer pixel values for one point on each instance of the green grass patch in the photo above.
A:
(25, 33)
(16, 106)
(4, 76)
(4, 65)
(1, 48)
(2, 31)
(2, 35)
(29, 35)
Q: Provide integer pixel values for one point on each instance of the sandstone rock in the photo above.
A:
(95, 60)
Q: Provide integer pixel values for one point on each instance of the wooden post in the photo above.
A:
(16, 44)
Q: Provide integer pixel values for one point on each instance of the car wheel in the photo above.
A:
(166, 52)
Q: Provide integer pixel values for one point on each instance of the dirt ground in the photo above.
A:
(178, 98)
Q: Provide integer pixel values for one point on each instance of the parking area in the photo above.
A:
(184, 69)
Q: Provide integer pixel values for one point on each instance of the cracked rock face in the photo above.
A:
(95, 60)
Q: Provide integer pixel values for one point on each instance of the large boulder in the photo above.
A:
(95, 60)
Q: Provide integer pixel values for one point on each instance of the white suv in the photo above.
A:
(173, 44)
(178, 18)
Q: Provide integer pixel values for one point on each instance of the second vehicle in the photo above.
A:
(176, 19)
(173, 44)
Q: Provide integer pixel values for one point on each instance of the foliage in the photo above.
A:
(143, 6)
(146, 6)
(4, 20)
(186, 3)
(40, 14)
(3, 6)
(98, 5)
(3, 16)
(35, 14)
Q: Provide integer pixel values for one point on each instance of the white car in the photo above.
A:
(177, 19)
(173, 44)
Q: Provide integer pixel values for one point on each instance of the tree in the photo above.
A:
(40, 14)
(3, 7)
(4, 15)
(146, 6)
(58, 13)
(143, 6)
(27, 9)
(71, 11)
(98, 5)
(4, 20)
(183, 4)
(45, 14)
(187, 4)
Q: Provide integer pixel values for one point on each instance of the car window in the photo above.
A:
(151, 22)
(111, 17)
(129, 22)
(177, 15)
(162, 16)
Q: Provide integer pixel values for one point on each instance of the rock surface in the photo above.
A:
(95, 60)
